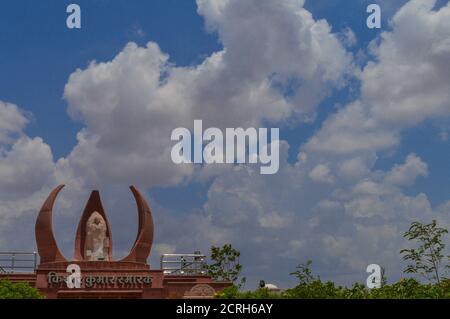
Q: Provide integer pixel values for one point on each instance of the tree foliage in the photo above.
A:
(303, 273)
(225, 264)
(316, 289)
(9, 290)
(428, 257)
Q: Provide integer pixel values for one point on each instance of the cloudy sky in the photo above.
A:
(364, 118)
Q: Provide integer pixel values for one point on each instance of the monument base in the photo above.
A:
(117, 280)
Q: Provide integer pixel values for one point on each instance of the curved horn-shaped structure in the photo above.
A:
(144, 239)
(94, 205)
(45, 239)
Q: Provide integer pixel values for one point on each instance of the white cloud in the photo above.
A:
(348, 227)
(408, 83)
(277, 62)
(27, 175)
(361, 218)
(12, 121)
(355, 168)
(25, 163)
(407, 173)
(160, 249)
(26, 166)
(405, 85)
(321, 173)
(348, 37)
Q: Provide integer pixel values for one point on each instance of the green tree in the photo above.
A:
(9, 290)
(304, 273)
(225, 265)
(427, 258)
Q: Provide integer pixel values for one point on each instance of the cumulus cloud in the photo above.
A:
(277, 62)
(12, 122)
(407, 173)
(289, 218)
(405, 85)
(25, 163)
(321, 173)
(348, 37)
(408, 84)
(359, 219)
(281, 66)
(28, 173)
(26, 166)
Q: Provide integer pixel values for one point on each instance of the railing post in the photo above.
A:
(35, 261)
(13, 262)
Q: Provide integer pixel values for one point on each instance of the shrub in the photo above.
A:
(403, 289)
(233, 292)
(9, 290)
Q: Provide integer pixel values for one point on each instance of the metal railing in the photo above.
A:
(18, 262)
(184, 264)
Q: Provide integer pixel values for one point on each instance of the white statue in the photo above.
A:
(97, 241)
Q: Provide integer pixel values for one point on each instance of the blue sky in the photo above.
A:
(39, 54)
(42, 53)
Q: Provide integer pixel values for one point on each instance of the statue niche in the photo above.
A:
(93, 241)
(93, 232)
(97, 241)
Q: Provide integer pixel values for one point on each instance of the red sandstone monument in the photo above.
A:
(99, 276)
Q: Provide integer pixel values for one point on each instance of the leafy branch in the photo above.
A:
(427, 258)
